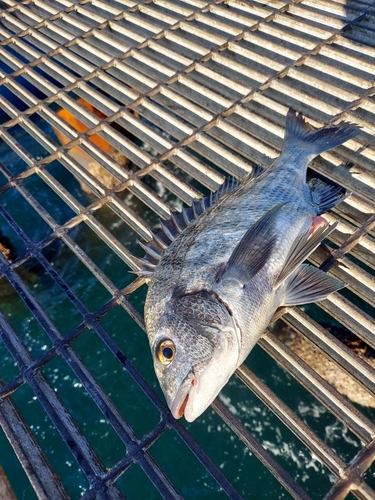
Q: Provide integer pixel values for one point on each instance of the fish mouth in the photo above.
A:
(199, 388)
(181, 399)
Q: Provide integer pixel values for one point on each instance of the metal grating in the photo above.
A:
(184, 92)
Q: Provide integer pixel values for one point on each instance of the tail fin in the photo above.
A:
(315, 141)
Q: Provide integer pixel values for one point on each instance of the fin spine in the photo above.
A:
(178, 221)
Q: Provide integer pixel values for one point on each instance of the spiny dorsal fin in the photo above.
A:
(178, 221)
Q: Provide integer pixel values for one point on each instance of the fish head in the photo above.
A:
(196, 349)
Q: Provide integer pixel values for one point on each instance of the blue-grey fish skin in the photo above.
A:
(195, 260)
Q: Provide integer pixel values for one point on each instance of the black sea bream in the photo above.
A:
(219, 270)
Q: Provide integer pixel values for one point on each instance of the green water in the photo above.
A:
(241, 468)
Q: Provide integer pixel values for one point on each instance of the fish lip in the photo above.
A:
(180, 400)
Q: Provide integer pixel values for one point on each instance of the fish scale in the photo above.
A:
(233, 258)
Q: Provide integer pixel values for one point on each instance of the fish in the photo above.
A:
(218, 270)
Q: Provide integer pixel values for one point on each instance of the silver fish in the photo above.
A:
(219, 270)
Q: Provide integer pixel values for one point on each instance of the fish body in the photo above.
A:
(219, 270)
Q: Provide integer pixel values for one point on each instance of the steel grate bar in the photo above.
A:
(351, 316)
(352, 363)
(135, 447)
(297, 426)
(55, 409)
(358, 466)
(358, 280)
(291, 486)
(353, 240)
(343, 410)
(38, 469)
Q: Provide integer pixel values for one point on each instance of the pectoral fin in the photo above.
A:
(309, 284)
(254, 249)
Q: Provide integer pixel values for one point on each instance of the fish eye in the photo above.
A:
(166, 352)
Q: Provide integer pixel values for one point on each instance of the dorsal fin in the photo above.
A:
(178, 221)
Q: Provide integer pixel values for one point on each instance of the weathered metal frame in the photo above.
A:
(223, 133)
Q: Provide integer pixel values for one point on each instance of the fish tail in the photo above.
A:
(298, 133)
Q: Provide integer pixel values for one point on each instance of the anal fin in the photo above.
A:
(309, 284)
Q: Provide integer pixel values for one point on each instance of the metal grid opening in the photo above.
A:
(168, 97)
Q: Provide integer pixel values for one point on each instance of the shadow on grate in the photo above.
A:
(112, 114)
